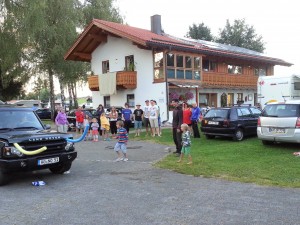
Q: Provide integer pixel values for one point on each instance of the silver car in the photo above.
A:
(280, 122)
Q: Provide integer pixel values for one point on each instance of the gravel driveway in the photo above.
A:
(100, 191)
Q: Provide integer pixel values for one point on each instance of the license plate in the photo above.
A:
(213, 122)
(48, 161)
(277, 130)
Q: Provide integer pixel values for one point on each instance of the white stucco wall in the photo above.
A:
(115, 51)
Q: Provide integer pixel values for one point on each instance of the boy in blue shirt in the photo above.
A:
(121, 145)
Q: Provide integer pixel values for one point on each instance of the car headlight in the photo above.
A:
(9, 151)
(69, 146)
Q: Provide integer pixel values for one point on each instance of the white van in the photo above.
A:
(272, 89)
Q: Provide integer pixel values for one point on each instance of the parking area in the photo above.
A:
(100, 191)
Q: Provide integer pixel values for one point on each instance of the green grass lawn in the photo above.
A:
(247, 161)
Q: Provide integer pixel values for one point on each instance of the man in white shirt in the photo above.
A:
(146, 114)
(153, 118)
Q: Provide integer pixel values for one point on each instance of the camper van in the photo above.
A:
(271, 89)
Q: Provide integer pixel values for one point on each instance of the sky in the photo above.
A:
(278, 22)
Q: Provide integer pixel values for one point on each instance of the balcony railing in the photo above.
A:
(228, 80)
(125, 80)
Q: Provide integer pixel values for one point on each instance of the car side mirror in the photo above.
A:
(47, 126)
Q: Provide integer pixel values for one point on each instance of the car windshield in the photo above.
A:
(216, 113)
(17, 119)
(281, 110)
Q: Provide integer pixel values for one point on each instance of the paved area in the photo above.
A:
(100, 191)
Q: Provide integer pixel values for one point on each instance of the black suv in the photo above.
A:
(21, 134)
(235, 122)
(43, 113)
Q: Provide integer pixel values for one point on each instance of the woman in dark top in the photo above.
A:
(99, 111)
(113, 117)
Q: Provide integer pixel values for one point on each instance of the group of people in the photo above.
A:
(148, 114)
(184, 125)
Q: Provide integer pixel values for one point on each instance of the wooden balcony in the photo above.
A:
(221, 80)
(125, 80)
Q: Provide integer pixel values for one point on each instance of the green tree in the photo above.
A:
(99, 9)
(200, 32)
(13, 69)
(242, 35)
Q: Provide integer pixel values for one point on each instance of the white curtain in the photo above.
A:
(108, 83)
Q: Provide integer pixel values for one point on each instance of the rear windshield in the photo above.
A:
(217, 113)
(281, 110)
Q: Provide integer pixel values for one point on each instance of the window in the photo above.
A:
(129, 63)
(106, 101)
(189, 74)
(171, 73)
(260, 71)
(239, 97)
(130, 100)
(230, 99)
(105, 66)
(170, 59)
(159, 65)
(187, 67)
(179, 61)
(180, 74)
(209, 65)
(244, 112)
(233, 69)
(188, 62)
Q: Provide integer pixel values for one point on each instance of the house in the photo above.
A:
(131, 65)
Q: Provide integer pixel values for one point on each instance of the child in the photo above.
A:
(122, 137)
(104, 127)
(86, 122)
(95, 127)
(186, 143)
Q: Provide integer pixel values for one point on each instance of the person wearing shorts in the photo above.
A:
(186, 143)
(153, 118)
(146, 110)
(79, 120)
(138, 117)
(121, 145)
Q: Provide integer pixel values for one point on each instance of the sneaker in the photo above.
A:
(125, 159)
(118, 159)
(189, 163)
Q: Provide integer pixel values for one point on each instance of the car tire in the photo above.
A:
(238, 135)
(208, 136)
(267, 142)
(60, 169)
(3, 178)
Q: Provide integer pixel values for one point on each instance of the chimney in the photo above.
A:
(156, 24)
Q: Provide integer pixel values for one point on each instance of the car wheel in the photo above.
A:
(238, 135)
(267, 142)
(3, 178)
(61, 168)
(210, 136)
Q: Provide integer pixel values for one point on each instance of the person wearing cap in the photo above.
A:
(138, 119)
(146, 110)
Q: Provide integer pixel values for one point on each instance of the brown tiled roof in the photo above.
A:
(87, 42)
